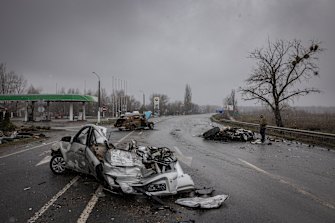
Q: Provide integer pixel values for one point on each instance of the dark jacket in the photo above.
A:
(262, 122)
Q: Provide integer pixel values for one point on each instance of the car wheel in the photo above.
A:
(132, 127)
(57, 164)
(210, 134)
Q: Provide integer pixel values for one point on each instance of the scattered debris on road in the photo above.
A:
(257, 141)
(6, 137)
(202, 202)
(229, 134)
(188, 221)
(205, 191)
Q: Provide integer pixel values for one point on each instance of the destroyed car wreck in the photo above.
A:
(229, 134)
(134, 121)
(138, 170)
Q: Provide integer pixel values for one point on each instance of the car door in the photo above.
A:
(96, 143)
(76, 155)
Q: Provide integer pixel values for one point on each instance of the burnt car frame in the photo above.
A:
(133, 122)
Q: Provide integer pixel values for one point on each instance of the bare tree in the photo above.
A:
(188, 100)
(231, 100)
(32, 90)
(195, 108)
(11, 83)
(19, 84)
(73, 91)
(175, 108)
(133, 104)
(281, 69)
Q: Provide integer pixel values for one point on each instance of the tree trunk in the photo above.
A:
(277, 114)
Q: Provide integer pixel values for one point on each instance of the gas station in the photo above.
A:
(31, 99)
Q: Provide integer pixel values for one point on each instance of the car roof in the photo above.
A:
(99, 128)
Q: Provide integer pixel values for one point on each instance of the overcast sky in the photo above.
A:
(159, 46)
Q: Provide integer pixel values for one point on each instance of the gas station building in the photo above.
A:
(31, 99)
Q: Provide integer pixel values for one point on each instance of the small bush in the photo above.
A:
(6, 124)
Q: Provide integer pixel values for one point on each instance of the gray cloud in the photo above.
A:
(158, 46)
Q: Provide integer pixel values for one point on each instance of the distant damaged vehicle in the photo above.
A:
(138, 170)
(229, 134)
(132, 121)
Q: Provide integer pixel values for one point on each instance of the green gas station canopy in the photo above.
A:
(49, 97)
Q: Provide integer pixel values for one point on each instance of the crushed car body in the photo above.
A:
(135, 120)
(229, 134)
(138, 170)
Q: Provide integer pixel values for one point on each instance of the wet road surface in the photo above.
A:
(282, 182)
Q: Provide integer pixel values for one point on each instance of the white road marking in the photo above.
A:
(295, 187)
(185, 159)
(91, 204)
(140, 133)
(53, 199)
(89, 207)
(45, 153)
(44, 160)
(21, 151)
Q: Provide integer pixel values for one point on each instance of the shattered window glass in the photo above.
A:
(99, 137)
(82, 137)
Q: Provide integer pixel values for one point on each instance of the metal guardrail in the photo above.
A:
(323, 138)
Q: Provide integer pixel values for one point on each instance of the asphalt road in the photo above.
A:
(282, 182)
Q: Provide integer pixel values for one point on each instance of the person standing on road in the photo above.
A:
(262, 127)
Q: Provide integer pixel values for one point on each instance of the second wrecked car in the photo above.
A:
(134, 121)
(153, 170)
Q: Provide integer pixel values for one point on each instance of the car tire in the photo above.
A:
(57, 164)
(210, 134)
(132, 127)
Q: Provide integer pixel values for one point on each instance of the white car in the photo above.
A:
(136, 170)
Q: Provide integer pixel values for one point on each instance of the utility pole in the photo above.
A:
(98, 95)
(143, 100)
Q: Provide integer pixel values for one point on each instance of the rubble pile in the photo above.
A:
(6, 137)
(229, 134)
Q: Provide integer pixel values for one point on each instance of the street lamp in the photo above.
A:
(98, 95)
